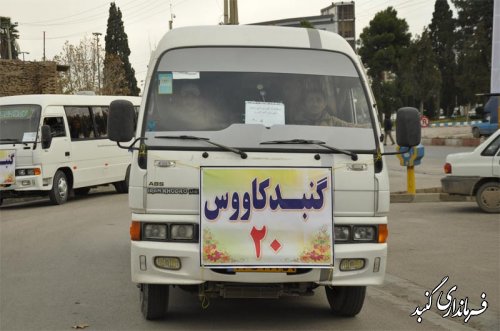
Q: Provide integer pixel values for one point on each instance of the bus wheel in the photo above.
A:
(345, 300)
(122, 187)
(488, 197)
(476, 133)
(60, 189)
(154, 301)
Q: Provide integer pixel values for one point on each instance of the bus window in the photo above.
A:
(101, 121)
(80, 122)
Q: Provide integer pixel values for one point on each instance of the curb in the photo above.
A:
(448, 124)
(466, 142)
(429, 197)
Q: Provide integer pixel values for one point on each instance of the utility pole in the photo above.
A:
(226, 14)
(231, 12)
(97, 34)
(44, 46)
(172, 16)
(233, 19)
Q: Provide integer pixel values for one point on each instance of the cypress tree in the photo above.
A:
(382, 45)
(442, 35)
(117, 47)
(475, 29)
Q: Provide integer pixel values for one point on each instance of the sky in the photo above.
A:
(146, 21)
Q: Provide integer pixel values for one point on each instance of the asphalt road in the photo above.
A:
(64, 266)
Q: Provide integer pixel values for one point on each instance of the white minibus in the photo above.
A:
(258, 168)
(57, 145)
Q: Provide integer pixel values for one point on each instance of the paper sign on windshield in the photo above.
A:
(265, 113)
(271, 217)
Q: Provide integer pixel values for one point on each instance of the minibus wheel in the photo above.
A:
(154, 301)
(345, 300)
(122, 187)
(60, 189)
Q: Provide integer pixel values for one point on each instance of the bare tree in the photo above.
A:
(82, 61)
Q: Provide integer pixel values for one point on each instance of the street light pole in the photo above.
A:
(23, 54)
(97, 34)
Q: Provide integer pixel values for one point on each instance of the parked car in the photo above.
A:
(489, 123)
(476, 173)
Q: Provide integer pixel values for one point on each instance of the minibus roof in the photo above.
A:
(253, 36)
(65, 100)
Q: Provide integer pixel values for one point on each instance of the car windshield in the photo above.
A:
(19, 123)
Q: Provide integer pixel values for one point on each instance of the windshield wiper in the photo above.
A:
(227, 148)
(320, 143)
(14, 141)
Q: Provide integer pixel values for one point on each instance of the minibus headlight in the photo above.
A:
(364, 233)
(342, 233)
(154, 231)
(28, 172)
(181, 231)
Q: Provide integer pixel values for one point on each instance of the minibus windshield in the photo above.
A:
(210, 89)
(19, 123)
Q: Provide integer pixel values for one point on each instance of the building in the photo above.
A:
(339, 17)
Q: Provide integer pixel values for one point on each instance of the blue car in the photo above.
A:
(490, 119)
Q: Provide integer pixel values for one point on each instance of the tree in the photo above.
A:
(82, 61)
(306, 24)
(114, 76)
(421, 78)
(442, 35)
(475, 29)
(117, 46)
(8, 31)
(381, 48)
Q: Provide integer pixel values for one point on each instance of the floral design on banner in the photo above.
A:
(210, 250)
(319, 249)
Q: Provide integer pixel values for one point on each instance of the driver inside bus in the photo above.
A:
(316, 111)
(194, 111)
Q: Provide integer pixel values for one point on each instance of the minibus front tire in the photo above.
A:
(122, 187)
(60, 189)
(345, 301)
(154, 301)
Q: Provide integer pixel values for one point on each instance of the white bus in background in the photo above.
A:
(57, 144)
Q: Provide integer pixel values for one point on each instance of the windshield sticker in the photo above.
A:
(165, 83)
(186, 75)
(29, 137)
(265, 113)
(266, 217)
(7, 167)
(16, 114)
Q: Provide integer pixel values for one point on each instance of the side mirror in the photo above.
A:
(46, 137)
(408, 129)
(121, 121)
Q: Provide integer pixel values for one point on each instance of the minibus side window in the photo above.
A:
(101, 121)
(80, 122)
(56, 125)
